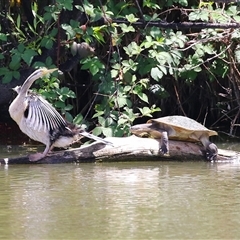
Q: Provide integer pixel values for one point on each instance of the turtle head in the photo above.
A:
(146, 130)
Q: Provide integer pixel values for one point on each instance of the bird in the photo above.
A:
(40, 121)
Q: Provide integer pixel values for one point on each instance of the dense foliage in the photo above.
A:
(144, 65)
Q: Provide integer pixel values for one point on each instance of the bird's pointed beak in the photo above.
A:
(46, 71)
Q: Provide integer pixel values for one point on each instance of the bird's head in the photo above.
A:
(35, 75)
(41, 72)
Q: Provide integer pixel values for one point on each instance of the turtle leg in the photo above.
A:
(211, 149)
(164, 148)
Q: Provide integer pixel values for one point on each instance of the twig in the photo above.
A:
(140, 10)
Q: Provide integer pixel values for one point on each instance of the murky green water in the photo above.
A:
(139, 200)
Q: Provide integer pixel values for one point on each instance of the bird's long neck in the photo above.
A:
(28, 83)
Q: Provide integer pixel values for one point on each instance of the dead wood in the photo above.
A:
(126, 149)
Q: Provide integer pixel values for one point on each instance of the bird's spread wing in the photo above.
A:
(41, 115)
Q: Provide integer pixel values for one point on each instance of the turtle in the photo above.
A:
(179, 128)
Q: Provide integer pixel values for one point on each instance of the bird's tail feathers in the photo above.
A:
(88, 135)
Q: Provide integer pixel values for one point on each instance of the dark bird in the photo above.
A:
(38, 119)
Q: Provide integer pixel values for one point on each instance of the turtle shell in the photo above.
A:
(180, 128)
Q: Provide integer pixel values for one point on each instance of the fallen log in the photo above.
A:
(127, 149)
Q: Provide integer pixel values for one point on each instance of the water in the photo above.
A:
(137, 200)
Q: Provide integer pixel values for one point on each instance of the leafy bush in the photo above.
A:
(139, 68)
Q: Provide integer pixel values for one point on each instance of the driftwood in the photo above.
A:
(127, 149)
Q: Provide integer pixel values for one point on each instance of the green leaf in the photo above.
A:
(55, 85)
(69, 30)
(68, 117)
(199, 15)
(7, 78)
(66, 4)
(127, 89)
(146, 111)
(3, 37)
(129, 64)
(64, 90)
(78, 119)
(130, 114)
(48, 61)
(163, 69)
(97, 131)
(21, 48)
(18, 21)
(155, 32)
(150, 4)
(101, 120)
(28, 55)
(159, 91)
(54, 32)
(3, 71)
(232, 10)
(98, 35)
(68, 107)
(236, 18)
(47, 42)
(107, 132)
(183, 2)
(126, 28)
(131, 18)
(15, 62)
(97, 114)
(163, 57)
(156, 73)
(133, 49)
(59, 104)
(87, 8)
(94, 69)
(177, 38)
(16, 74)
(114, 73)
(38, 64)
(122, 101)
(143, 97)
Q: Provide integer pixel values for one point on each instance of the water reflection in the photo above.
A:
(140, 200)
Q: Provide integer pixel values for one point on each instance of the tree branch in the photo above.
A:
(179, 26)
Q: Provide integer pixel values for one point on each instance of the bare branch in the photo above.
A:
(179, 26)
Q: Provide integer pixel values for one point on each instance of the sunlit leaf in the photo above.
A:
(156, 73)
(131, 18)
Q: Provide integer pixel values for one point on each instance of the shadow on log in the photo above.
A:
(127, 149)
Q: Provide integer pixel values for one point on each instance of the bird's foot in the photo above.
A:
(164, 151)
(36, 157)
